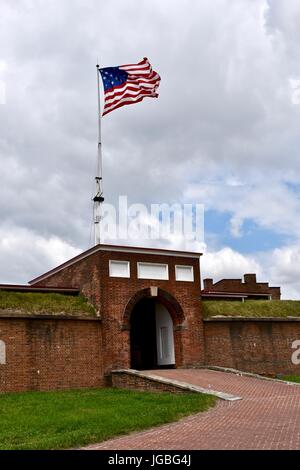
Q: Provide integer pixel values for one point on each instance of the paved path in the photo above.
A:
(268, 417)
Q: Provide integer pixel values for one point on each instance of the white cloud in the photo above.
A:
(279, 267)
(25, 254)
(282, 265)
(223, 132)
(228, 263)
(236, 225)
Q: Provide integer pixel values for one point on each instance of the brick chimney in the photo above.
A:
(208, 283)
(250, 278)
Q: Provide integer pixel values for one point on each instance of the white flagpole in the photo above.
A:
(98, 199)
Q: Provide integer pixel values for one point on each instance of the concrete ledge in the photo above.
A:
(217, 318)
(247, 374)
(7, 315)
(182, 386)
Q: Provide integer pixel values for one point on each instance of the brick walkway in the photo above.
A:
(268, 417)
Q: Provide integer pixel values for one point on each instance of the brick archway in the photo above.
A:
(163, 297)
(175, 310)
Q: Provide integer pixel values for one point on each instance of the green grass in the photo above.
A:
(68, 419)
(44, 303)
(291, 378)
(252, 308)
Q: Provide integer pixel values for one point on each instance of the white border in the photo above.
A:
(184, 266)
(153, 264)
(111, 261)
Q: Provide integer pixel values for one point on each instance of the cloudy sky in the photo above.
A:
(224, 132)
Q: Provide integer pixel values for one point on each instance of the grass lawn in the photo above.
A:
(252, 308)
(64, 419)
(45, 303)
(291, 378)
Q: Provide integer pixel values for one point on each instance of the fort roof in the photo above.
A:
(119, 249)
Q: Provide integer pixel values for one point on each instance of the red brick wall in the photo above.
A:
(111, 296)
(85, 274)
(45, 354)
(263, 347)
(237, 286)
(50, 354)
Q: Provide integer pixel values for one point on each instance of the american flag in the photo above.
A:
(128, 84)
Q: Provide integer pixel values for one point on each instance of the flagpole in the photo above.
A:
(98, 199)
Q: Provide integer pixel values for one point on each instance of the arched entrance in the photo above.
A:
(151, 335)
(134, 325)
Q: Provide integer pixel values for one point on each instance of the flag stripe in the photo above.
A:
(142, 68)
(128, 97)
(143, 62)
(144, 82)
(120, 89)
(125, 102)
(126, 93)
(131, 84)
(138, 72)
(150, 78)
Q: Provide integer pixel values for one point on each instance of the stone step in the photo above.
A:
(135, 379)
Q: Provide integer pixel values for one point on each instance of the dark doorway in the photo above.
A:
(143, 335)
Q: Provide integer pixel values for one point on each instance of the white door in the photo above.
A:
(164, 336)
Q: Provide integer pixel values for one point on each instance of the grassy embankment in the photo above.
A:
(33, 303)
(69, 419)
(251, 308)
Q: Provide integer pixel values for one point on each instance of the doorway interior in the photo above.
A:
(151, 336)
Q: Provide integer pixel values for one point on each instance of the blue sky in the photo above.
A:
(252, 238)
